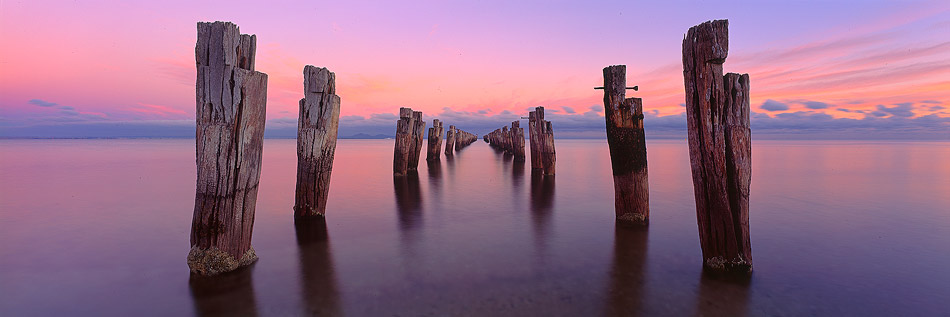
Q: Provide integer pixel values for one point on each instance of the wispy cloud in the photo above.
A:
(816, 105)
(157, 110)
(41, 103)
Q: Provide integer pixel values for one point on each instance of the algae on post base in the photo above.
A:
(214, 261)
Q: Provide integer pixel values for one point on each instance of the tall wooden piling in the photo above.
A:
(418, 130)
(316, 141)
(505, 139)
(628, 149)
(541, 135)
(533, 141)
(434, 146)
(408, 141)
(231, 101)
(450, 140)
(517, 140)
(720, 149)
(403, 142)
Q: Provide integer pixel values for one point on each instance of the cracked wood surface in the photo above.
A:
(717, 114)
(230, 115)
(317, 127)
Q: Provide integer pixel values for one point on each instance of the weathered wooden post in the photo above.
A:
(541, 134)
(405, 141)
(628, 148)
(517, 140)
(533, 141)
(720, 149)
(316, 141)
(450, 140)
(505, 139)
(418, 130)
(434, 146)
(502, 139)
(548, 156)
(231, 101)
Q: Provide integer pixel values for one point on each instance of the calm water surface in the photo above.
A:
(101, 227)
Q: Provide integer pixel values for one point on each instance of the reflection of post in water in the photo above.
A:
(450, 164)
(627, 272)
(723, 294)
(517, 174)
(409, 208)
(435, 175)
(226, 294)
(542, 201)
(542, 192)
(435, 170)
(408, 200)
(318, 278)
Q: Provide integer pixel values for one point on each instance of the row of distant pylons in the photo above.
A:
(541, 140)
(231, 102)
(409, 134)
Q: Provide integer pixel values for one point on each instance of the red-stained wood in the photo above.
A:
(230, 116)
(739, 155)
(717, 114)
(628, 150)
(317, 128)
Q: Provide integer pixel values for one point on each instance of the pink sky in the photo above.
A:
(77, 61)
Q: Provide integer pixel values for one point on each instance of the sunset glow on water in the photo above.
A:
(838, 227)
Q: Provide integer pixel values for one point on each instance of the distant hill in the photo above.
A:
(367, 136)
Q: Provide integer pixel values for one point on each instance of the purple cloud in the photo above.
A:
(899, 110)
(772, 105)
(816, 105)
